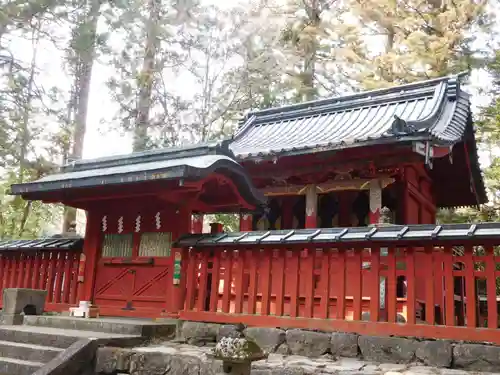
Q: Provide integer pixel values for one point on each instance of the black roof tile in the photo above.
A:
(331, 236)
(70, 243)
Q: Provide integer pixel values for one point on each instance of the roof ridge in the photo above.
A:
(220, 147)
(369, 94)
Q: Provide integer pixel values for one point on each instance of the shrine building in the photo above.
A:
(309, 182)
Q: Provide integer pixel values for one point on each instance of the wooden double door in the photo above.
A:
(134, 274)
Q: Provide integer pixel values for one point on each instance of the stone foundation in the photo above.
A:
(312, 344)
(181, 359)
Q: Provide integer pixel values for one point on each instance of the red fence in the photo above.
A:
(438, 290)
(53, 270)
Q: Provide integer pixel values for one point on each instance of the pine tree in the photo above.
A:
(81, 55)
(423, 38)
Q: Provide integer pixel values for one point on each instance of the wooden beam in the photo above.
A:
(326, 187)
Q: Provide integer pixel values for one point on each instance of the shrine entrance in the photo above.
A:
(135, 266)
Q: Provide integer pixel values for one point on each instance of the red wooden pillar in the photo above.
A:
(375, 201)
(246, 221)
(287, 213)
(311, 207)
(197, 223)
(91, 252)
(180, 258)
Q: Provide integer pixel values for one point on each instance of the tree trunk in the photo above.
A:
(146, 77)
(83, 73)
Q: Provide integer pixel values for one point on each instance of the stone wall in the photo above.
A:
(313, 344)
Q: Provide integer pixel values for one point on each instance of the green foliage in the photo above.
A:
(423, 39)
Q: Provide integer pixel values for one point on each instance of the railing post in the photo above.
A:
(197, 223)
(246, 221)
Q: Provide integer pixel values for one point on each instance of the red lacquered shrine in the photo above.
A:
(311, 167)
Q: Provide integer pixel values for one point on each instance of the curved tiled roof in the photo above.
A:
(193, 162)
(435, 110)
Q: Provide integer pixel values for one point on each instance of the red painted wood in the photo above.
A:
(325, 284)
(294, 283)
(340, 282)
(197, 224)
(203, 279)
(449, 294)
(59, 276)
(252, 287)
(265, 279)
(470, 288)
(429, 285)
(191, 279)
(67, 277)
(28, 269)
(246, 222)
(45, 268)
(228, 280)
(375, 285)
(35, 281)
(2, 270)
(280, 275)
(51, 275)
(308, 277)
(355, 279)
(391, 285)
(410, 289)
(20, 270)
(91, 249)
(74, 279)
(491, 288)
(214, 289)
(238, 282)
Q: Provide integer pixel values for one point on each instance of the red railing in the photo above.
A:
(435, 290)
(53, 270)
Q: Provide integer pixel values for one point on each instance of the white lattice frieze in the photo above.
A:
(104, 222)
(138, 223)
(158, 220)
(120, 224)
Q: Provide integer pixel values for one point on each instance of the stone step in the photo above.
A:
(13, 366)
(34, 336)
(28, 352)
(137, 327)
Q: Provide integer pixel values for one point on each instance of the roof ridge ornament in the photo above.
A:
(401, 127)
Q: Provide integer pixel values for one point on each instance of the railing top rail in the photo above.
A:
(484, 232)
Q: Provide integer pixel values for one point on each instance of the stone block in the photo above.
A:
(387, 349)
(16, 300)
(476, 357)
(344, 344)
(74, 360)
(154, 363)
(197, 333)
(269, 339)
(230, 330)
(307, 343)
(283, 349)
(11, 319)
(435, 353)
(109, 360)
